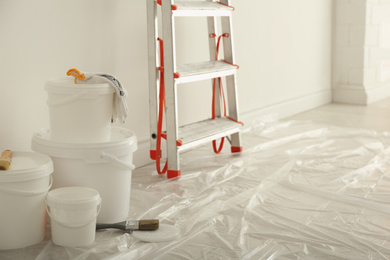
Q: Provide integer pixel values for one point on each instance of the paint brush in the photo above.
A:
(144, 224)
(5, 160)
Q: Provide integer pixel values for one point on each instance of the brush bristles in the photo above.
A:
(148, 224)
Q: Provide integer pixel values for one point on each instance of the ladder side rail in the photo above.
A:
(228, 45)
(212, 29)
(231, 81)
(168, 28)
(232, 97)
(152, 24)
(228, 48)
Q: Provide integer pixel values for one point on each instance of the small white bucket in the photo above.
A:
(106, 167)
(23, 190)
(79, 113)
(73, 212)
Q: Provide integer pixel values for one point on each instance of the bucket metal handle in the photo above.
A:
(116, 161)
(68, 99)
(28, 193)
(74, 226)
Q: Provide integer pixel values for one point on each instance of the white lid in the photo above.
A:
(27, 166)
(73, 198)
(122, 142)
(164, 233)
(66, 85)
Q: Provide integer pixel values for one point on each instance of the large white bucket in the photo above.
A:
(23, 190)
(73, 212)
(79, 112)
(106, 167)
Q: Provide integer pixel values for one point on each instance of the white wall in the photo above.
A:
(283, 48)
(361, 51)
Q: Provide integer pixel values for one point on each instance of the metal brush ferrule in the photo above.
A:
(132, 225)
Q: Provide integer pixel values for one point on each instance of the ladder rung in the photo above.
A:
(198, 133)
(204, 70)
(199, 8)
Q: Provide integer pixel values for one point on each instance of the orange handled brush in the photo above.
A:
(5, 160)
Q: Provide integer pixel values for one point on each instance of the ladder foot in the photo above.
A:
(173, 174)
(153, 154)
(236, 149)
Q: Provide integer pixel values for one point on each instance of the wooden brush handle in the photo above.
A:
(7, 154)
(5, 160)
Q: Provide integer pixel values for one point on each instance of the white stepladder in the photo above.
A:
(165, 76)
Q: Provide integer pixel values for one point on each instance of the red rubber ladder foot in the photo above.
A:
(236, 149)
(171, 174)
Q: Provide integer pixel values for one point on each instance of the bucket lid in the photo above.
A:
(73, 198)
(164, 233)
(27, 166)
(66, 85)
(122, 142)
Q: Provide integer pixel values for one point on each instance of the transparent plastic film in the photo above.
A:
(299, 190)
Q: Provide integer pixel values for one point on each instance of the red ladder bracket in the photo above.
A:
(232, 7)
(231, 63)
(176, 75)
(174, 7)
(178, 142)
(154, 154)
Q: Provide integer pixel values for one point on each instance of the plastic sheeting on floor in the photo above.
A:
(298, 191)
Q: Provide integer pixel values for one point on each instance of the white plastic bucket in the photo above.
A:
(79, 112)
(73, 212)
(106, 167)
(23, 190)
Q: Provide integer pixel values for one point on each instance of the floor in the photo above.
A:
(374, 116)
(312, 186)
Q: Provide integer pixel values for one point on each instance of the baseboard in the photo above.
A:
(142, 155)
(283, 109)
(360, 95)
(290, 107)
(350, 95)
(378, 92)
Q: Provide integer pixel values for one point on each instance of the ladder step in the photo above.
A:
(198, 133)
(204, 70)
(201, 8)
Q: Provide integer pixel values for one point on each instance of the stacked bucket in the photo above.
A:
(24, 185)
(89, 155)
